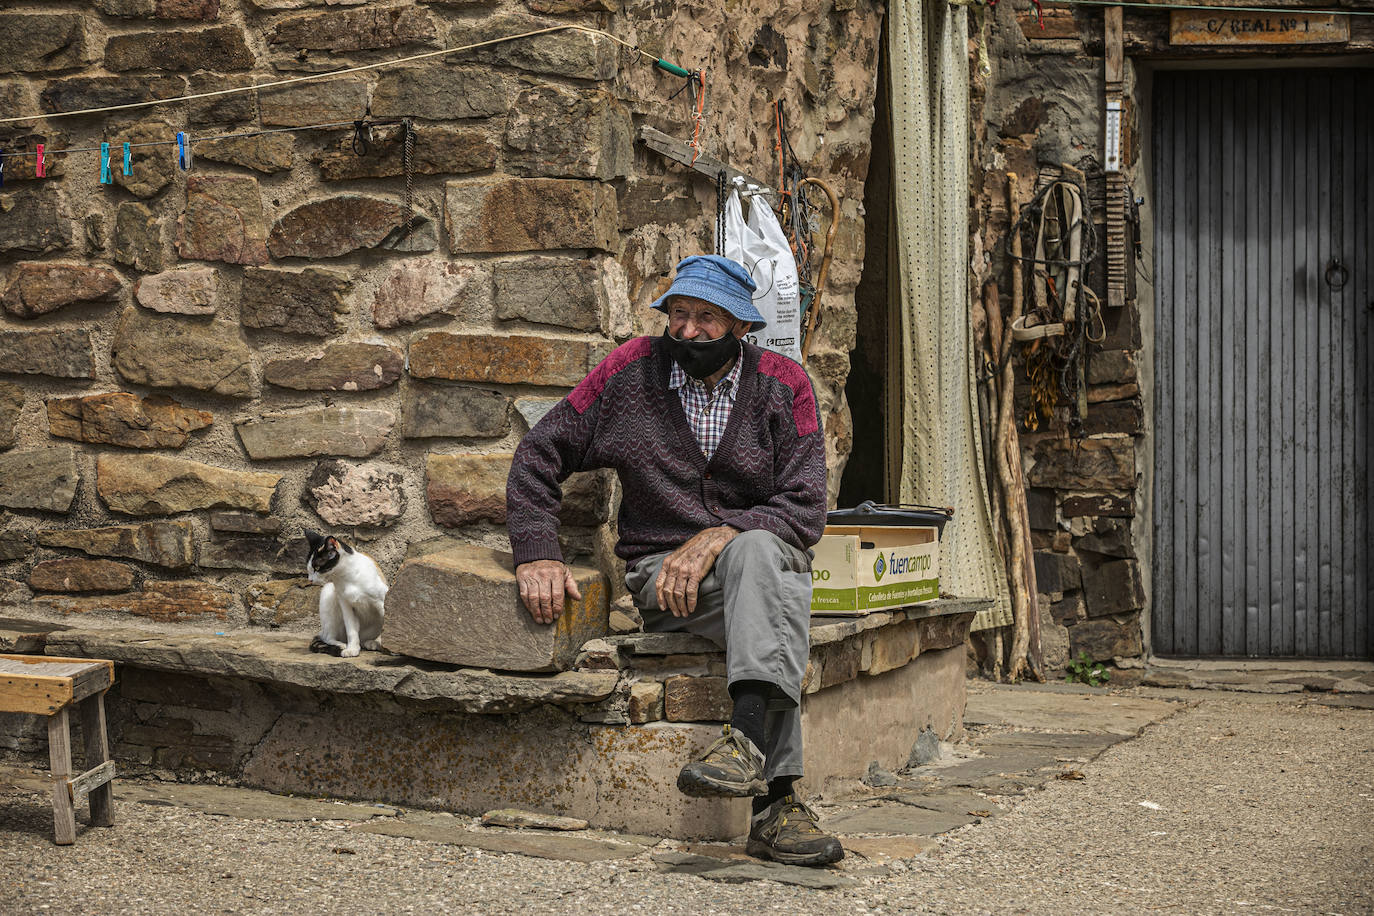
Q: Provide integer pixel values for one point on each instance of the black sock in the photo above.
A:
(751, 704)
(778, 788)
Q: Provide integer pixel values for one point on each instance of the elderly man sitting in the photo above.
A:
(720, 455)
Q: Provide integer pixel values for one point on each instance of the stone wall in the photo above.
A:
(1089, 498)
(197, 365)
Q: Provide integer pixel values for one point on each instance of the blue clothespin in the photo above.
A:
(183, 151)
(105, 177)
(128, 161)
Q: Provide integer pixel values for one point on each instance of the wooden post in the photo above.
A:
(60, 772)
(97, 754)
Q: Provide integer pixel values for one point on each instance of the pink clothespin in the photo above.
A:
(39, 169)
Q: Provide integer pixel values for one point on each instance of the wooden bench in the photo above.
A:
(48, 687)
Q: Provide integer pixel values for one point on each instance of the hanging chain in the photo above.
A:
(408, 166)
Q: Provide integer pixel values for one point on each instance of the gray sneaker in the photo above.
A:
(732, 767)
(789, 831)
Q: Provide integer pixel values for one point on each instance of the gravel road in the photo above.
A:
(1256, 803)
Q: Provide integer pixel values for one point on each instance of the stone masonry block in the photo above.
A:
(365, 29)
(529, 214)
(565, 292)
(893, 646)
(513, 359)
(313, 103)
(121, 418)
(184, 291)
(34, 222)
(1113, 588)
(139, 238)
(439, 93)
(58, 352)
(217, 48)
(77, 92)
(11, 406)
(41, 42)
(466, 488)
(299, 302)
(1084, 464)
(696, 699)
(163, 601)
(569, 54)
(223, 220)
(334, 226)
(78, 574)
(174, 352)
(338, 367)
(462, 606)
(353, 431)
(1105, 638)
(457, 411)
(1056, 572)
(554, 132)
(438, 150)
(38, 287)
(39, 478)
(646, 702)
(156, 485)
(159, 543)
(420, 288)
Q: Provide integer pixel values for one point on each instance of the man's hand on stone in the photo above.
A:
(542, 583)
(682, 571)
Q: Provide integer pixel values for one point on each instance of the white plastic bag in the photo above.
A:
(760, 245)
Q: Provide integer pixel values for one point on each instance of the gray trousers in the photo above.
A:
(755, 602)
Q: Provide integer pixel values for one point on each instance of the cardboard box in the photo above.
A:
(861, 569)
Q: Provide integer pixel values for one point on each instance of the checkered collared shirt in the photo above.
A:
(707, 412)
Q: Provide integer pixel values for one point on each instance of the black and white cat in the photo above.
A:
(352, 597)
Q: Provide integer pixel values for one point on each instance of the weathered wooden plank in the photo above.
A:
(1246, 27)
(681, 153)
(89, 781)
(60, 771)
(98, 758)
(41, 696)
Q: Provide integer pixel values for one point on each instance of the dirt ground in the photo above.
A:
(1060, 801)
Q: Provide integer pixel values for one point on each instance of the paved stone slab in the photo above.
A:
(731, 872)
(228, 801)
(439, 829)
(961, 803)
(895, 819)
(1090, 712)
(286, 659)
(514, 817)
(1059, 740)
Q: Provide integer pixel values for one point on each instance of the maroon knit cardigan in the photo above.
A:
(767, 473)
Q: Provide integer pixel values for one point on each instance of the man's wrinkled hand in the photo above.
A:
(684, 568)
(542, 584)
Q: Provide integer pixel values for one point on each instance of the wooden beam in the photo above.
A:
(89, 781)
(680, 152)
(1116, 63)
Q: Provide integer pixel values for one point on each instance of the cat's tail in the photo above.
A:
(328, 648)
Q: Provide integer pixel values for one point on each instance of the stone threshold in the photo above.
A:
(841, 649)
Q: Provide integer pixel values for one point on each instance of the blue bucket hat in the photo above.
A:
(719, 281)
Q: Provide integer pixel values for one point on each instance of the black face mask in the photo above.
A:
(700, 358)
